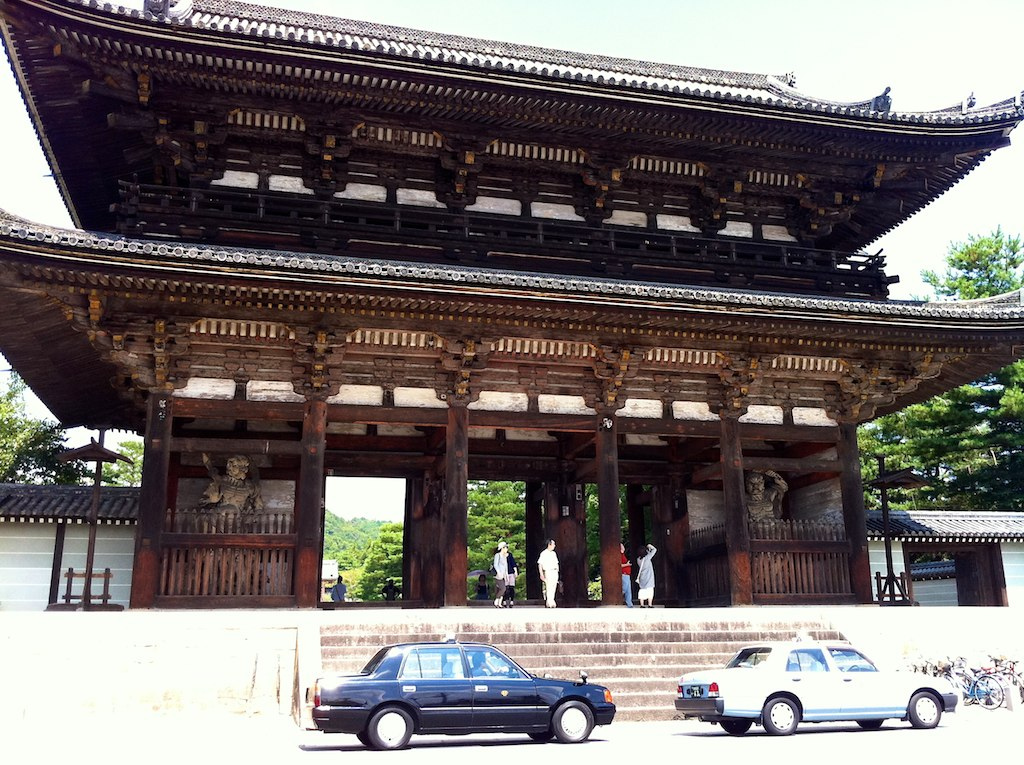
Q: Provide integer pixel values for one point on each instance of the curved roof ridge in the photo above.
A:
(249, 19)
(13, 227)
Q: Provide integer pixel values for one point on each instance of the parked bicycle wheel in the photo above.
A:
(988, 692)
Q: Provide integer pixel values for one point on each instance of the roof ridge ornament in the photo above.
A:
(171, 9)
(882, 103)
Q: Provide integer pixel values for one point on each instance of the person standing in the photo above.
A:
(627, 572)
(500, 569)
(509, 598)
(548, 563)
(645, 576)
(339, 591)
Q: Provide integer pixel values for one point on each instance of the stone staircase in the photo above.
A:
(639, 655)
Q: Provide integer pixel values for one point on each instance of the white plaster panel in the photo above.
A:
(529, 435)
(366, 192)
(627, 218)
(549, 403)
(649, 408)
(677, 223)
(418, 198)
(207, 387)
(554, 211)
(810, 415)
(497, 401)
(290, 183)
(764, 415)
(738, 228)
(777, 234)
(498, 205)
(271, 390)
(693, 410)
(422, 398)
(238, 179)
(360, 395)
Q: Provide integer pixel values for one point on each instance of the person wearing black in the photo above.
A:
(508, 598)
(391, 591)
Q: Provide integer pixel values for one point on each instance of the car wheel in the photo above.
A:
(870, 724)
(573, 722)
(736, 727)
(780, 716)
(924, 710)
(364, 739)
(542, 736)
(389, 728)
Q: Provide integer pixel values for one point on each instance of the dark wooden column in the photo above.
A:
(429, 544)
(670, 529)
(737, 534)
(152, 501)
(309, 504)
(570, 544)
(609, 521)
(636, 519)
(454, 513)
(536, 539)
(851, 487)
(412, 554)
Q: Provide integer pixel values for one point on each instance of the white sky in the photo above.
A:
(932, 53)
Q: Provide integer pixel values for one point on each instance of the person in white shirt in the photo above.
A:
(645, 576)
(548, 563)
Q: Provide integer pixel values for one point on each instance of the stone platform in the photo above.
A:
(246, 662)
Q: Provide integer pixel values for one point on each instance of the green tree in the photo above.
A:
(30, 448)
(496, 512)
(969, 441)
(124, 473)
(383, 561)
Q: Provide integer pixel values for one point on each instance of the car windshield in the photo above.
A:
(851, 660)
(750, 657)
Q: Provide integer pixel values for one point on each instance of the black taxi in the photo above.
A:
(451, 687)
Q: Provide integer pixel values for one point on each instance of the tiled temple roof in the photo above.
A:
(952, 526)
(249, 20)
(45, 504)
(1003, 309)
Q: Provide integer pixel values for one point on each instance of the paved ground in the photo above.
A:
(257, 740)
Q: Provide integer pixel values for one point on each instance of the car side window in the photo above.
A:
(483, 662)
(851, 660)
(432, 664)
(806, 660)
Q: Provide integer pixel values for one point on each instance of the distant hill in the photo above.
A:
(347, 541)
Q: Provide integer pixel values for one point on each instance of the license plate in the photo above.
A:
(694, 692)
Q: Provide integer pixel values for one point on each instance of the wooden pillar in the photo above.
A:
(570, 542)
(152, 501)
(412, 539)
(851, 488)
(536, 539)
(670, 528)
(310, 505)
(636, 520)
(609, 513)
(737, 534)
(454, 515)
(429, 543)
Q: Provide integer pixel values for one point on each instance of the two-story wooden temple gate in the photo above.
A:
(307, 246)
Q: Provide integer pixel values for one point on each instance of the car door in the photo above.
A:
(504, 697)
(819, 689)
(433, 679)
(867, 692)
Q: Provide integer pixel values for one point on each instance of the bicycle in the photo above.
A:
(1006, 670)
(976, 686)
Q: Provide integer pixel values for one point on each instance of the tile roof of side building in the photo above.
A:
(948, 525)
(247, 19)
(42, 504)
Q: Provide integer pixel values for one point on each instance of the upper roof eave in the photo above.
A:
(767, 92)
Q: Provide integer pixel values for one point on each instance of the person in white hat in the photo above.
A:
(500, 571)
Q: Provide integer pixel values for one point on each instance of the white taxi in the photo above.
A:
(778, 685)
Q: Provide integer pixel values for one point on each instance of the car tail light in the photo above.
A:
(608, 696)
(713, 691)
(316, 693)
